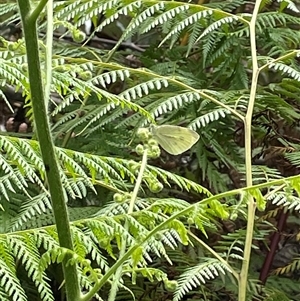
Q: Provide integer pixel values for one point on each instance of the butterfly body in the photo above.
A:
(174, 139)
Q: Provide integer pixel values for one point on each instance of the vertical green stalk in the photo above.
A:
(49, 46)
(248, 158)
(118, 274)
(29, 18)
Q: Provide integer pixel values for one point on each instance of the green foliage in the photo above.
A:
(196, 73)
(199, 274)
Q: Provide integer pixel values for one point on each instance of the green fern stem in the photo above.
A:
(29, 18)
(49, 44)
(138, 181)
(248, 158)
(118, 275)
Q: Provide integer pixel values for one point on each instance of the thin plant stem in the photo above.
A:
(49, 45)
(248, 158)
(38, 9)
(118, 275)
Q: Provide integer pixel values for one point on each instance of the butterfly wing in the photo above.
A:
(175, 139)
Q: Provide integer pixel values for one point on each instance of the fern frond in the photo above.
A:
(78, 171)
(292, 267)
(32, 209)
(205, 119)
(10, 284)
(78, 8)
(282, 199)
(165, 16)
(125, 9)
(227, 6)
(114, 100)
(57, 255)
(172, 103)
(13, 73)
(182, 183)
(199, 274)
(261, 173)
(194, 18)
(217, 24)
(146, 14)
(26, 249)
(285, 70)
(138, 90)
(111, 77)
(220, 47)
(7, 8)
